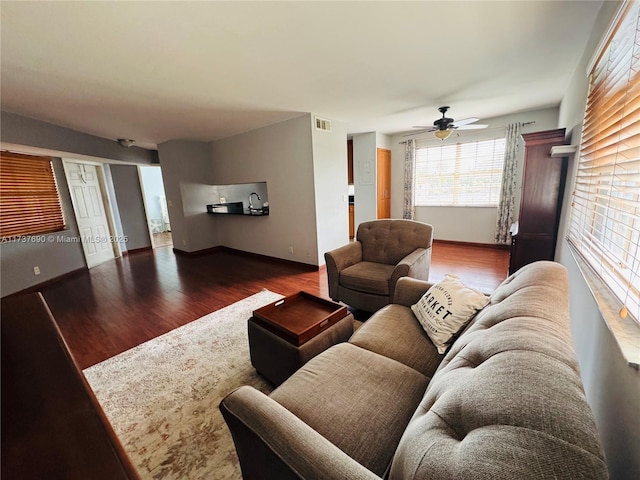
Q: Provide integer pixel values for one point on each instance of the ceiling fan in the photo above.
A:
(443, 127)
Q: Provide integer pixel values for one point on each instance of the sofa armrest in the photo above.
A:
(409, 290)
(415, 265)
(339, 259)
(272, 443)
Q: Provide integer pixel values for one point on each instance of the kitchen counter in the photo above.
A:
(236, 208)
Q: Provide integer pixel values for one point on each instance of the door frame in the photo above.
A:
(115, 246)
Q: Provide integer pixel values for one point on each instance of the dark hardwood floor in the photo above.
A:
(479, 267)
(122, 303)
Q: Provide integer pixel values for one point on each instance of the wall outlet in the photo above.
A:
(290, 248)
(223, 200)
(36, 270)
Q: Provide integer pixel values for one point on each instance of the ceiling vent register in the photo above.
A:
(323, 124)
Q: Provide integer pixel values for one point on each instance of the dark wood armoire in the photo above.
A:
(536, 231)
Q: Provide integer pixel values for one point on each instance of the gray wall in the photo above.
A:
(20, 130)
(331, 188)
(365, 159)
(306, 179)
(282, 155)
(612, 387)
(365, 175)
(27, 135)
(126, 185)
(54, 256)
(186, 173)
(115, 209)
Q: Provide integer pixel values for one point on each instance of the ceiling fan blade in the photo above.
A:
(418, 132)
(426, 128)
(471, 127)
(465, 121)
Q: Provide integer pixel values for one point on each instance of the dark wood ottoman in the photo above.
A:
(286, 334)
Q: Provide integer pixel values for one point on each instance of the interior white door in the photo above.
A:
(86, 196)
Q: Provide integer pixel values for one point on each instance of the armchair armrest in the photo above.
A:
(339, 259)
(272, 443)
(409, 290)
(415, 265)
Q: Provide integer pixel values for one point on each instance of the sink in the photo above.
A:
(231, 207)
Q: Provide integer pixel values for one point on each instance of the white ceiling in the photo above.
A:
(155, 71)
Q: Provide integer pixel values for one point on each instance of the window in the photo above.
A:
(605, 219)
(463, 174)
(29, 201)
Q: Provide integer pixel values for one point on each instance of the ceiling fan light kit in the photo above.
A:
(126, 142)
(443, 127)
(442, 134)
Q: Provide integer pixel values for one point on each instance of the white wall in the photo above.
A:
(282, 155)
(331, 188)
(151, 179)
(461, 224)
(612, 387)
(464, 224)
(383, 141)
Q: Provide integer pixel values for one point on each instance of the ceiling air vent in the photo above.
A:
(323, 124)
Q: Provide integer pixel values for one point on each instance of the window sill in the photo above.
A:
(625, 330)
(458, 206)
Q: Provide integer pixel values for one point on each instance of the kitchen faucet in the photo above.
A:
(250, 203)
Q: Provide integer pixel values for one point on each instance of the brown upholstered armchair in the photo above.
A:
(363, 273)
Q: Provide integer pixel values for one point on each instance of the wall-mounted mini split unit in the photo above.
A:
(323, 124)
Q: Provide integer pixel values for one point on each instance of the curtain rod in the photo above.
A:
(487, 130)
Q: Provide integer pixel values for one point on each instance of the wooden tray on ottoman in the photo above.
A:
(299, 317)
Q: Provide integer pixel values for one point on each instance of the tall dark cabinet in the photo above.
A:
(535, 234)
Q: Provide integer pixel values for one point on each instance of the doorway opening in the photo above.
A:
(155, 202)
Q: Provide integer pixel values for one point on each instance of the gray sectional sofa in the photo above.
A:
(504, 402)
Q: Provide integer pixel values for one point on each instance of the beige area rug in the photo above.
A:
(162, 396)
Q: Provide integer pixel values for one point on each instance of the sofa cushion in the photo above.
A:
(395, 333)
(507, 401)
(358, 400)
(367, 277)
(499, 420)
(446, 308)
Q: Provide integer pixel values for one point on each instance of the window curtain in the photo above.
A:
(508, 188)
(409, 208)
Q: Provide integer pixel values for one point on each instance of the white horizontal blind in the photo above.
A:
(462, 174)
(605, 220)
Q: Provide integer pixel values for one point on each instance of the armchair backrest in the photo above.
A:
(389, 241)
